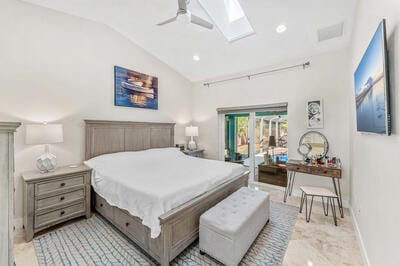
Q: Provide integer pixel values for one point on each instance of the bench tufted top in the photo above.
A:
(233, 213)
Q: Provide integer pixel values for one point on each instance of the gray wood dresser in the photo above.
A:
(6, 191)
(195, 153)
(55, 197)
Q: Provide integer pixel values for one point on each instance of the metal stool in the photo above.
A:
(318, 192)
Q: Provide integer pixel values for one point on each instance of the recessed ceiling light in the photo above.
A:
(196, 57)
(281, 28)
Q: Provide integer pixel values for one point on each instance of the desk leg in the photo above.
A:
(289, 185)
(287, 188)
(339, 194)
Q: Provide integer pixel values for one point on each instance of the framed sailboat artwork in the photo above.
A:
(135, 89)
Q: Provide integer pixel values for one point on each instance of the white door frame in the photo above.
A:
(252, 136)
(221, 137)
(221, 140)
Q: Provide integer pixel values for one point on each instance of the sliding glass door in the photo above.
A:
(270, 142)
(249, 138)
(237, 142)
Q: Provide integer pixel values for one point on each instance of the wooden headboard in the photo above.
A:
(104, 137)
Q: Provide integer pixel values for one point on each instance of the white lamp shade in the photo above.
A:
(192, 131)
(44, 134)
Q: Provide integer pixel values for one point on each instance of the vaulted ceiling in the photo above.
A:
(176, 43)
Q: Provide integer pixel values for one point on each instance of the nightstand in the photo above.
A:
(56, 197)
(195, 153)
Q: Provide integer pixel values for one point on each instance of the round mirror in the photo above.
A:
(313, 145)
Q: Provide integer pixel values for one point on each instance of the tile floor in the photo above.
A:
(320, 242)
(316, 243)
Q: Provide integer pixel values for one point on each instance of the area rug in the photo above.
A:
(96, 242)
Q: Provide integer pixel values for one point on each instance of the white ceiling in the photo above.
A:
(175, 44)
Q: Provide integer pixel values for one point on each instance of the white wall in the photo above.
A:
(58, 68)
(326, 79)
(375, 183)
(55, 67)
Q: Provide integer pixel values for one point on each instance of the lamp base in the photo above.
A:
(46, 163)
(192, 145)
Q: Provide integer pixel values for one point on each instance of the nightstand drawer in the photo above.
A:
(194, 153)
(59, 199)
(59, 215)
(42, 188)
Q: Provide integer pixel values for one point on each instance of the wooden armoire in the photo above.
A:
(7, 191)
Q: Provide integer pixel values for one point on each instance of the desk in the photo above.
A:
(297, 166)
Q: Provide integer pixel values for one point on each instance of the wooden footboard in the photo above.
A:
(179, 227)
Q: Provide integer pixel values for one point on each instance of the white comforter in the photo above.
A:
(150, 183)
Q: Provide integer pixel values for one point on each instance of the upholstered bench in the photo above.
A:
(229, 228)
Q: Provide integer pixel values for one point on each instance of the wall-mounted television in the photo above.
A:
(372, 87)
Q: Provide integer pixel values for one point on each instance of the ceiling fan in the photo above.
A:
(186, 16)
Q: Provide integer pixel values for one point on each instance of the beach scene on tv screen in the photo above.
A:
(370, 88)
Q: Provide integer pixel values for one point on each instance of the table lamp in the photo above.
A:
(192, 132)
(45, 134)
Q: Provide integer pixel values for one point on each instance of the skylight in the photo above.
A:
(234, 10)
(229, 17)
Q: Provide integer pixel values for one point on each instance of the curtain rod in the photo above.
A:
(304, 65)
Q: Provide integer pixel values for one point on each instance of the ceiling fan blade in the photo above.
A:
(167, 21)
(182, 5)
(201, 22)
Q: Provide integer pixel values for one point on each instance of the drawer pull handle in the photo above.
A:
(298, 168)
(325, 172)
(62, 213)
(62, 198)
(101, 204)
(62, 184)
(127, 224)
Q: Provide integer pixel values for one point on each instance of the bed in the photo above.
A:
(178, 225)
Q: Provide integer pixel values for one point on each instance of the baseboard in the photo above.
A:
(18, 223)
(359, 238)
(296, 192)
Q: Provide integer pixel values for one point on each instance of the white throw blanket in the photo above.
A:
(150, 183)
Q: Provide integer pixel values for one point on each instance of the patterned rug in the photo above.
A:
(97, 242)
